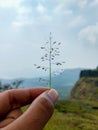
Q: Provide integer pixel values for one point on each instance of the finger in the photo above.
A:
(16, 98)
(14, 114)
(5, 123)
(37, 114)
(10, 117)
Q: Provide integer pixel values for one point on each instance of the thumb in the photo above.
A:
(38, 113)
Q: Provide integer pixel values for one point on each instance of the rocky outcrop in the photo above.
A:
(87, 86)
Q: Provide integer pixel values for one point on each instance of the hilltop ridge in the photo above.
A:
(89, 73)
(87, 85)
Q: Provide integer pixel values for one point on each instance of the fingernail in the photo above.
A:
(53, 95)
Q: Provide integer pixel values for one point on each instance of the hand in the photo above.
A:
(42, 102)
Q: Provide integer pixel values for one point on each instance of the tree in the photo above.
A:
(52, 51)
(4, 87)
(7, 86)
(17, 83)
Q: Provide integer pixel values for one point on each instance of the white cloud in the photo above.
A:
(32, 20)
(68, 12)
(23, 10)
(87, 3)
(21, 23)
(65, 1)
(94, 3)
(41, 9)
(9, 3)
(77, 21)
(89, 35)
(62, 10)
(26, 16)
(83, 3)
(22, 17)
(58, 8)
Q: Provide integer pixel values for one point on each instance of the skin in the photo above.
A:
(36, 116)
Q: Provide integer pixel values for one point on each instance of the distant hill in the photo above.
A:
(67, 78)
(87, 86)
(63, 82)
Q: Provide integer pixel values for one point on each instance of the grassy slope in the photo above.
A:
(76, 115)
(86, 88)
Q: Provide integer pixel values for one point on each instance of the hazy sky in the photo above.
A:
(25, 25)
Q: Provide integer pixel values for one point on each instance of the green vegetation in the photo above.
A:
(74, 115)
(89, 73)
(85, 88)
(80, 112)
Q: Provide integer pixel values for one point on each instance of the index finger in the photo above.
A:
(17, 98)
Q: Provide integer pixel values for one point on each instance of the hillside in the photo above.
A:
(63, 83)
(74, 115)
(68, 77)
(80, 112)
(87, 86)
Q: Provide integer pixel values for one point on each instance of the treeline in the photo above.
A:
(89, 73)
(13, 85)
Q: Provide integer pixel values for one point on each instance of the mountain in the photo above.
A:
(87, 86)
(63, 83)
(67, 78)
